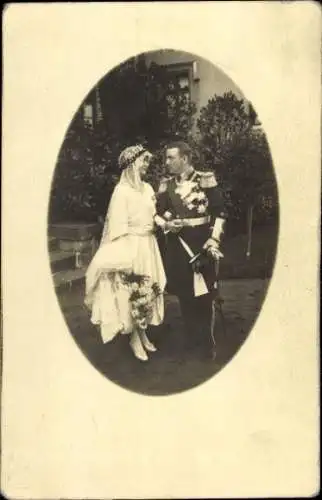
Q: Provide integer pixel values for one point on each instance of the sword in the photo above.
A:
(216, 253)
(217, 300)
(216, 306)
(200, 287)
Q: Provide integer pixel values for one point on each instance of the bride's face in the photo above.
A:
(143, 162)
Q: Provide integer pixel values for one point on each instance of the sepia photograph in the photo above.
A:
(161, 210)
(163, 222)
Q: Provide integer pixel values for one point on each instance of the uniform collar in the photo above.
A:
(185, 176)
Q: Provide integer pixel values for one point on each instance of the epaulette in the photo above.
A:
(163, 184)
(207, 179)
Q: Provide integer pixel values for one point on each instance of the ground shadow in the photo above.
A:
(171, 369)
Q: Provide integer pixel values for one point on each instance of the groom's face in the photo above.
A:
(174, 161)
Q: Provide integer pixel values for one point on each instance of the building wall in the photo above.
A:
(210, 81)
(206, 81)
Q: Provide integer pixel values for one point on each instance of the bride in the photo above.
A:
(125, 280)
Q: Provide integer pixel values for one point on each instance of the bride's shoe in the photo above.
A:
(146, 343)
(138, 349)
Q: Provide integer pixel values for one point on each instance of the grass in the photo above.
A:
(236, 265)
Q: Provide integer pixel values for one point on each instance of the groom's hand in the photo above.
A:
(174, 226)
(212, 248)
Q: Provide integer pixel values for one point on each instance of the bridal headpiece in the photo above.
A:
(130, 154)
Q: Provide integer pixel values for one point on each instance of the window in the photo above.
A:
(179, 85)
(88, 114)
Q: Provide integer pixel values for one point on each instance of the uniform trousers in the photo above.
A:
(196, 311)
(197, 317)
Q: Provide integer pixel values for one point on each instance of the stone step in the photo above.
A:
(77, 246)
(61, 261)
(52, 243)
(72, 277)
(74, 231)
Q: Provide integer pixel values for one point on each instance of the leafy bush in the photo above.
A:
(85, 175)
(239, 154)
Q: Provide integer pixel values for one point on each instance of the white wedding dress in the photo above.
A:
(128, 244)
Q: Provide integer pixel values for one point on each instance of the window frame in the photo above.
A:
(183, 70)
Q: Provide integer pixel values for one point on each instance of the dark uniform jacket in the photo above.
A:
(198, 197)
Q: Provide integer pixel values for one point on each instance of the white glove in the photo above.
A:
(212, 248)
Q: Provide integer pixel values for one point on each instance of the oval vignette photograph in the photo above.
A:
(163, 222)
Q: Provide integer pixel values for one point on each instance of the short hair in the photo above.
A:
(183, 148)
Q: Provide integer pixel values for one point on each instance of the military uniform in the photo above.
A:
(198, 202)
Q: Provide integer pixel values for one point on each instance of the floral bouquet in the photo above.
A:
(142, 294)
(192, 196)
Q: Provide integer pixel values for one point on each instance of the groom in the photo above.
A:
(191, 214)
